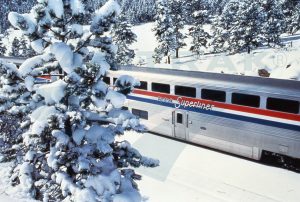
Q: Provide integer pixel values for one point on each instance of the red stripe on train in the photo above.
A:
(293, 117)
(48, 77)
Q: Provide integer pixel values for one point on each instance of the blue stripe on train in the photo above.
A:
(221, 114)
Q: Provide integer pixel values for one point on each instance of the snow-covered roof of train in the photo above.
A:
(290, 88)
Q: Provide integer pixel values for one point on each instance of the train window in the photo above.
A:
(245, 100)
(124, 108)
(185, 91)
(143, 86)
(283, 105)
(140, 113)
(160, 87)
(179, 118)
(106, 80)
(214, 95)
(114, 80)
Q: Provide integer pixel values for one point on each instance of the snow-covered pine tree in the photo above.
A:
(192, 6)
(274, 24)
(247, 35)
(289, 8)
(91, 7)
(69, 135)
(16, 44)
(239, 27)
(138, 11)
(25, 49)
(222, 25)
(295, 19)
(15, 104)
(164, 31)
(12, 5)
(2, 46)
(177, 10)
(15, 51)
(123, 37)
(217, 6)
(21, 48)
(199, 35)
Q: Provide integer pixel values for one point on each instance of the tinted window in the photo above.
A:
(214, 95)
(106, 80)
(114, 80)
(245, 100)
(124, 108)
(283, 105)
(140, 113)
(160, 87)
(143, 85)
(185, 91)
(179, 118)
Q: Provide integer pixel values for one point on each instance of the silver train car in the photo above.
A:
(242, 115)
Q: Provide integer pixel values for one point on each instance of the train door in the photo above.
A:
(180, 123)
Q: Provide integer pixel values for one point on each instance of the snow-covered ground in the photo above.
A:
(273, 60)
(194, 174)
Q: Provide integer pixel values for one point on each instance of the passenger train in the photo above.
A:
(242, 115)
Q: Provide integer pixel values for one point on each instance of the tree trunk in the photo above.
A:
(249, 50)
(177, 52)
(169, 59)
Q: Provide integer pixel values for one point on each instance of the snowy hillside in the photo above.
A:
(275, 61)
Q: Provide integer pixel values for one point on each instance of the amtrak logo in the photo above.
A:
(184, 103)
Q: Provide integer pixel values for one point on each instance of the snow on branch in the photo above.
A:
(100, 24)
(23, 22)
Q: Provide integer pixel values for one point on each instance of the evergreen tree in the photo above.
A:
(15, 51)
(274, 24)
(239, 27)
(91, 6)
(124, 37)
(25, 49)
(197, 32)
(13, 5)
(18, 46)
(193, 6)
(295, 19)
(289, 9)
(15, 103)
(138, 11)
(164, 31)
(2, 46)
(217, 6)
(177, 9)
(69, 149)
(223, 24)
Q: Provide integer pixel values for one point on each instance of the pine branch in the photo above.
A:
(84, 43)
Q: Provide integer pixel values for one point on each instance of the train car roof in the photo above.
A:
(15, 60)
(291, 88)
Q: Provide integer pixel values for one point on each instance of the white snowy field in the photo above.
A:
(282, 63)
(195, 174)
